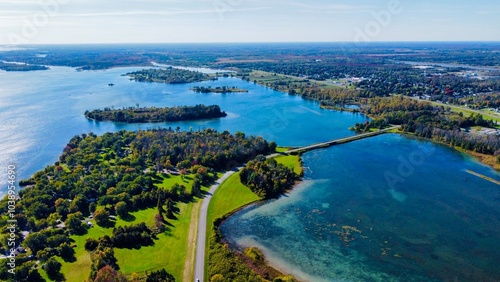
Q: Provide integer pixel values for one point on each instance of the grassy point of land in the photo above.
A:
(291, 161)
(282, 149)
(230, 196)
(233, 195)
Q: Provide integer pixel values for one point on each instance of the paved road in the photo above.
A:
(342, 140)
(199, 270)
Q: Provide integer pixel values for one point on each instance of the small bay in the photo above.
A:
(349, 221)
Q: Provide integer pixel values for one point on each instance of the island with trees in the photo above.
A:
(218, 89)
(169, 75)
(154, 114)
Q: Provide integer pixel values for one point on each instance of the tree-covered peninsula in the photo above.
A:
(267, 178)
(154, 114)
(114, 196)
(169, 75)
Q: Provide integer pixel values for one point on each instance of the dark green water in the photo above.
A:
(382, 209)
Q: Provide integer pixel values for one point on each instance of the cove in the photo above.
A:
(346, 222)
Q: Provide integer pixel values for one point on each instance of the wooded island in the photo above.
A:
(154, 114)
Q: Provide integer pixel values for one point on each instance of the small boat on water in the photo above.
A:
(111, 84)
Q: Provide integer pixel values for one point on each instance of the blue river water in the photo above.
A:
(40, 112)
(387, 208)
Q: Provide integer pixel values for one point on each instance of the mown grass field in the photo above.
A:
(487, 114)
(232, 194)
(169, 251)
(290, 161)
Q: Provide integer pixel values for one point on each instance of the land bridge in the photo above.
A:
(340, 141)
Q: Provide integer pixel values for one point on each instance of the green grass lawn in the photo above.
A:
(281, 149)
(169, 251)
(290, 161)
(231, 195)
(80, 270)
(468, 112)
(168, 180)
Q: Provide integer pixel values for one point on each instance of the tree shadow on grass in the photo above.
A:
(172, 217)
(111, 223)
(57, 277)
(128, 218)
(167, 223)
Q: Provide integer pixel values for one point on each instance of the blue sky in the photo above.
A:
(164, 21)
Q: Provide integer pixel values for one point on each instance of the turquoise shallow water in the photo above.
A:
(351, 221)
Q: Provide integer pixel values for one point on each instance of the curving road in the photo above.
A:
(199, 270)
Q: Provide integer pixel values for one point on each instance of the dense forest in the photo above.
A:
(113, 174)
(154, 114)
(267, 178)
(218, 89)
(425, 120)
(169, 75)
